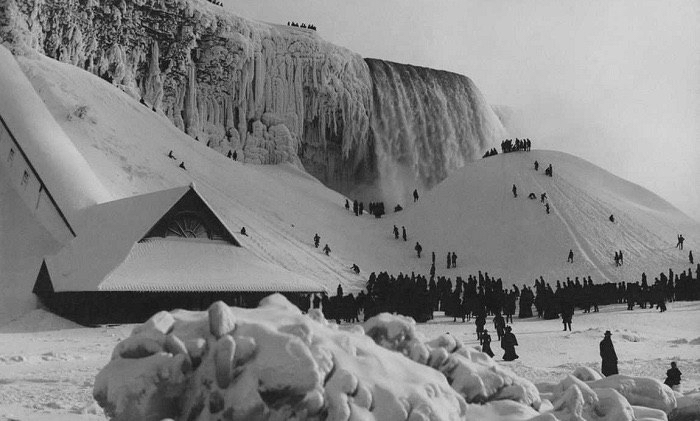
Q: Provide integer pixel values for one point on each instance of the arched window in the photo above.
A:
(187, 224)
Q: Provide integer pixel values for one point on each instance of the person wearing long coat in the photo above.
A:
(607, 353)
(508, 343)
(486, 345)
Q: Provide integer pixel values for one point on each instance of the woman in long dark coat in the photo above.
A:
(607, 353)
(508, 343)
(486, 346)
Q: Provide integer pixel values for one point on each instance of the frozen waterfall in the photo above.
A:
(425, 123)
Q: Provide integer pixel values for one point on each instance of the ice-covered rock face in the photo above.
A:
(275, 363)
(273, 93)
(425, 123)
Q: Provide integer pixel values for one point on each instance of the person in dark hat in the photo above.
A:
(607, 353)
(486, 343)
(508, 344)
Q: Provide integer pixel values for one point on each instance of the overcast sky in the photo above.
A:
(614, 82)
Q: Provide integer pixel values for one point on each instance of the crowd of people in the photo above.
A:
(510, 145)
(303, 25)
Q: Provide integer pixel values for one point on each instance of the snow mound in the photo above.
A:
(266, 363)
(679, 341)
(632, 337)
(38, 320)
(695, 341)
(274, 362)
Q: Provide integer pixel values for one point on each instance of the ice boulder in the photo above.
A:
(271, 362)
(473, 374)
(642, 391)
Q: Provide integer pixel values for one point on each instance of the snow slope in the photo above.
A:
(471, 213)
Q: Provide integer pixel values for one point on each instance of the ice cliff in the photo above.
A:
(272, 93)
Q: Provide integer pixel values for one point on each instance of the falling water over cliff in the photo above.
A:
(425, 123)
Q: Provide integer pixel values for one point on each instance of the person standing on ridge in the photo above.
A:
(403, 233)
(449, 259)
(570, 259)
(608, 355)
(415, 195)
(317, 240)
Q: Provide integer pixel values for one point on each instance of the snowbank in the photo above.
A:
(38, 320)
(275, 363)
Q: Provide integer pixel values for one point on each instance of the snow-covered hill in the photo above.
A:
(472, 213)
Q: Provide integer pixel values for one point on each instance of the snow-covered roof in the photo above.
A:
(107, 255)
(62, 169)
(177, 265)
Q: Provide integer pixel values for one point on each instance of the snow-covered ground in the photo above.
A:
(48, 365)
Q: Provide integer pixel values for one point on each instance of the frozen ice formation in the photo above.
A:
(273, 362)
(272, 93)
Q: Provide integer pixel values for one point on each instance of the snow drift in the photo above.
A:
(275, 363)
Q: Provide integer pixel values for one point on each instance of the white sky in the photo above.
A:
(615, 82)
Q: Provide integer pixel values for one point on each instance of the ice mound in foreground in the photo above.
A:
(275, 363)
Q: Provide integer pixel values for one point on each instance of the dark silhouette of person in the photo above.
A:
(515, 191)
(415, 195)
(543, 197)
(170, 155)
(570, 259)
(508, 343)
(566, 315)
(418, 248)
(355, 207)
(622, 259)
(398, 208)
(454, 260)
(432, 269)
(680, 240)
(347, 205)
(143, 102)
(612, 218)
(546, 208)
(608, 356)
(673, 376)
(317, 240)
(486, 343)
(361, 208)
(403, 233)
(326, 249)
(229, 154)
(339, 290)
(434, 258)
(617, 259)
(531, 196)
(449, 259)
(182, 165)
(355, 268)
(235, 155)
(396, 232)
(537, 166)
(243, 231)
(690, 257)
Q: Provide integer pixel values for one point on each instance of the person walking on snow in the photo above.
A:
(486, 343)
(317, 240)
(449, 259)
(508, 344)
(570, 259)
(690, 256)
(515, 191)
(537, 166)
(622, 259)
(680, 240)
(326, 250)
(454, 260)
(546, 208)
(415, 195)
(418, 248)
(403, 233)
(396, 232)
(347, 205)
(608, 356)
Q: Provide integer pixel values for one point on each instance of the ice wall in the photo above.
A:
(271, 92)
(426, 122)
